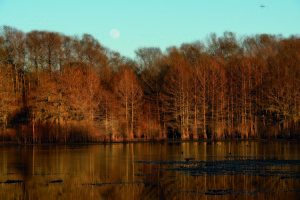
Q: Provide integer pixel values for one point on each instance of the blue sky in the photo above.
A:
(152, 23)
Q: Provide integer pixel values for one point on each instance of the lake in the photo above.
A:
(170, 170)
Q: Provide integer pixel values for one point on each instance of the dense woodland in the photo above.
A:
(57, 88)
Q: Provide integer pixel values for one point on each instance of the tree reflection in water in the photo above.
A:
(254, 170)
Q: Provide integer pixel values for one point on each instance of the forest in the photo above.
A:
(62, 89)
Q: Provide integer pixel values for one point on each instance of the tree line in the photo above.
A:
(58, 88)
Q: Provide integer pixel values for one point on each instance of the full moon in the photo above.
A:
(114, 34)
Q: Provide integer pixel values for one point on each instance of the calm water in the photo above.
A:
(217, 170)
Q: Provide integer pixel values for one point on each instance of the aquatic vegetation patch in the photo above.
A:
(269, 167)
(13, 181)
(123, 183)
(56, 181)
(145, 174)
(220, 192)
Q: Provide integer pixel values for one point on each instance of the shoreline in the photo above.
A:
(162, 141)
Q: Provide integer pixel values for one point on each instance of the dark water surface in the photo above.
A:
(172, 170)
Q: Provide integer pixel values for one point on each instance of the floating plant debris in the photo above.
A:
(13, 181)
(56, 181)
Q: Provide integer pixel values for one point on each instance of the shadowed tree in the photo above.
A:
(9, 99)
(149, 56)
(14, 48)
(195, 57)
(152, 78)
(130, 95)
(177, 93)
(52, 44)
(33, 44)
(108, 113)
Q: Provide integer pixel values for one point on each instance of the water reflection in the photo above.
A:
(150, 171)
